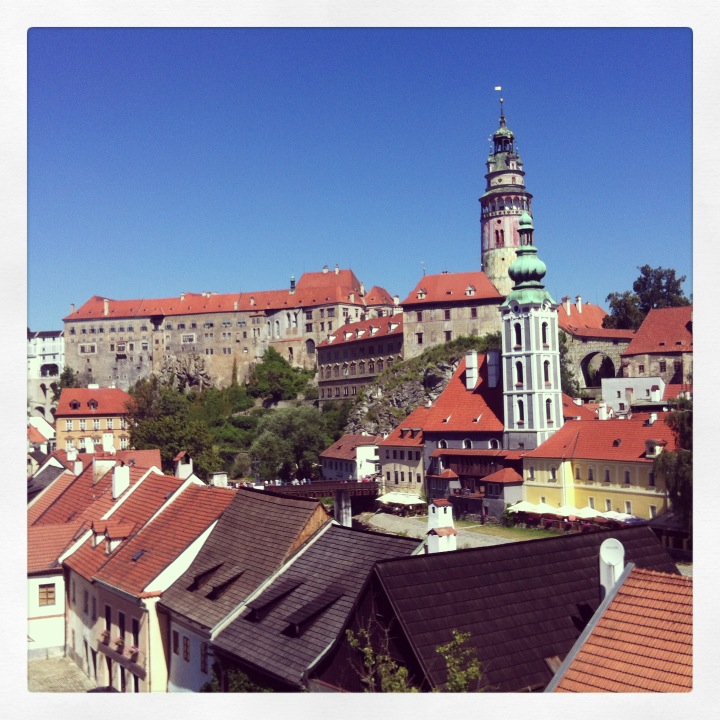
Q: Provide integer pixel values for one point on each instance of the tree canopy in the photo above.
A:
(654, 288)
(274, 379)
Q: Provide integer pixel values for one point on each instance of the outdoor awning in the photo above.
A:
(397, 498)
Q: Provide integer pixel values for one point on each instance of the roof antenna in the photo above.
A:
(502, 114)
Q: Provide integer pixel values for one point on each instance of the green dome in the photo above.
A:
(526, 220)
(527, 272)
(504, 131)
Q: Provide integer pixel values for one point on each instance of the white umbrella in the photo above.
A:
(545, 509)
(566, 511)
(613, 515)
(587, 512)
(522, 506)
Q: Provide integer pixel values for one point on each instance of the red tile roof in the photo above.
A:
(588, 322)
(409, 432)
(165, 538)
(126, 519)
(364, 330)
(110, 401)
(45, 545)
(314, 288)
(664, 330)
(505, 476)
(48, 496)
(642, 642)
(458, 409)
(34, 435)
(378, 296)
(345, 447)
(673, 390)
(598, 440)
(585, 411)
(451, 288)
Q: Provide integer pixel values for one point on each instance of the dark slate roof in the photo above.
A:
(257, 533)
(283, 630)
(521, 602)
(40, 481)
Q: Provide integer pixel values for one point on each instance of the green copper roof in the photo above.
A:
(527, 272)
(504, 131)
(525, 220)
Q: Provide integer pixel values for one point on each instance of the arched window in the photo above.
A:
(521, 412)
(380, 365)
(361, 367)
(546, 372)
(371, 366)
(494, 444)
(467, 444)
(518, 335)
(519, 377)
(548, 410)
(544, 333)
(442, 444)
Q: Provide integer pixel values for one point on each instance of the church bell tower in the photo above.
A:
(532, 394)
(504, 201)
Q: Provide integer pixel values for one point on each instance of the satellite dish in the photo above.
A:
(612, 552)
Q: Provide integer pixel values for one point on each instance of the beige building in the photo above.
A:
(210, 338)
(446, 306)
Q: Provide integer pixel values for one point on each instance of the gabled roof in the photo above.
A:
(458, 409)
(45, 544)
(345, 448)
(409, 433)
(58, 480)
(452, 288)
(664, 331)
(373, 328)
(256, 534)
(506, 476)
(164, 539)
(124, 521)
(619, 440)
(293, 621)
(107, 401)
(378, 296)
(522, 602)
(35, 436)
(571, 411)
(641, 642)
(587, 323)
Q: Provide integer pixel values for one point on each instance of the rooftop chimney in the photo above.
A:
(578, 301)
(292, 284)
(337, 269)
(566, 304)
(362, 288)
(653, 418)
(471, 369)
(72, 308)
(441, 532)
(182, 297)
(89, 445)
(219, 479)
(602, 411)
(106, 307)
(493, 363)
(325, 269)
(120, 480)
(72, 454)
(77, 466)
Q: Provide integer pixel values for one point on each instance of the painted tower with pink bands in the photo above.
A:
(502, 204)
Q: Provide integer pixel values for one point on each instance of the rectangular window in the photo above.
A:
(176, 642)
(186, 648)
(627, 477)
(397, 478)
(591, 502)
(188, 339)
(96, 423)
(135, 632)
(473, 313)
(608, 504)
(86, 602)
(109, 424)
(577, 473)
(121, 625)
(94, 609)
(651, 478)
(108, 617)
(641, 368)
(419, 479)
(82, 424)
(204, 657)
(590, 475)
(628, 507)
(448, 335)
(653, 511)
(46, 594)
(419, 338)
(308, 327)
(607, 475)
(663, 366)
(447, 314)
(553, 473)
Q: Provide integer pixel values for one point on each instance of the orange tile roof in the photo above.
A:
(409, 432)
(504, 476)
(673, 390)
(345, 447)
(458, 409)
(588, 323)
(365, 330)
(45, 545)
(48, 496)
(34, 435)
(165, 538)
(313, 288)
(664, 330)
(598, 440)
(586, 411)
(451, 288)
(126, 519)
(378, 296)
(642, 642)
(110, 401)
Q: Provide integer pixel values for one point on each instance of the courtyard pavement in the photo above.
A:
(57, 675)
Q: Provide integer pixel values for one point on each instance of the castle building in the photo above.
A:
(211, 338)
(504, 201)
(532, 395)
(45, 362)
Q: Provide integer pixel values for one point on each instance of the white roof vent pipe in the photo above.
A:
(612, 563)
(471, 369)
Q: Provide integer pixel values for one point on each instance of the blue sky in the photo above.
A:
(171, 160)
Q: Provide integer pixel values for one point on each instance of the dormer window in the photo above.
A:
(74, 405)
(92, 404)
(421, 294)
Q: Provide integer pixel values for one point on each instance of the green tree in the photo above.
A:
(675, 467)
(68, 379)
(464, 672)
(377, 670)
(274, 379)
(160, 419)
(237, 682)
(654, 288)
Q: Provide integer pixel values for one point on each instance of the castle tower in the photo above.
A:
(532, 395)
(503, 203)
